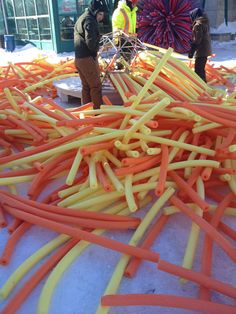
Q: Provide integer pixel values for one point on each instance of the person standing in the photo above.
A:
(124, 19)
(201, 41)
(86, 42)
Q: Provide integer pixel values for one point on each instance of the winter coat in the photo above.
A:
(86, 35)
(201, 41)
(118, 18)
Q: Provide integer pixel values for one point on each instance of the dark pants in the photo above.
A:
(89, 72)
(200, 63)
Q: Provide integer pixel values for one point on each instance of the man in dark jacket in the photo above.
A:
(201, 41)
(86, 41)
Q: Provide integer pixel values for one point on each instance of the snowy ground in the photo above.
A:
(83, 283)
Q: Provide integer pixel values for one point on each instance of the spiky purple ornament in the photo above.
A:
(166, 23)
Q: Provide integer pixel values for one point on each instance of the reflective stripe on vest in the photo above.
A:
(126, 28)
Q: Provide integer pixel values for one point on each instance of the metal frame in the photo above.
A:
(119, 45)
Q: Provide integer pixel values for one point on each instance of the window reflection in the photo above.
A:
(19, 8)
(22, 29)
(33, 29)
(42, 7)
(44, 28)
(11, 25)
(82, 5)
(67, 27)
(30, 7)
(9, 8)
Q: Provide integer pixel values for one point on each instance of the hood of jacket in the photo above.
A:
(203, 21)
(96, 6)
(195, 13)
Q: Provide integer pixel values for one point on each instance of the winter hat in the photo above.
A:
(195, 13)
(130, 3)
(97, 6)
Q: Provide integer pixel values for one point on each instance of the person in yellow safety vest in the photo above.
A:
(124, 19)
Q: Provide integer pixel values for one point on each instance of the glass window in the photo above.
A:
(44, 28)
(30, 7)
(1, 22)
(82, 5)
(33, 29)
(11, 25)
(67, 6)
(9, 8)
(22, 29)
(42, 7)
(67, 27)
(19, 8)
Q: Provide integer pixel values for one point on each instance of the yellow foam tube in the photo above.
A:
(132, 153)
(172, 155)
(125, 87)
(232, 148)
(93, 182)
(28, 264)
(74, 168)
(112, 158)
(69, 191)
(147, 85)
(175, 166)
(188, 170)
(115, 280)
(204, 127)
(136, 85)
(11, 100)
(144, 145)
(191, 247)
(46, 81)
(129, 193)
(153, 151)
(175, 150)
(143, 129)
(145, 118)
(118, 144)
(66, 261)
(185, 146)
(15, 180)
(118, 87)
(170, 210)
(153, 88)
(65, 147)
(161, 133)
(77, 196)
(232, 182)
(94, 201)
(115, 181)
(150, 186)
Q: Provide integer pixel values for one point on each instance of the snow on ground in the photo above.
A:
(83, 283)
(224, 51)
(223, 28)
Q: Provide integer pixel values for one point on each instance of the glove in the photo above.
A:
(190, 54)
(192, 50)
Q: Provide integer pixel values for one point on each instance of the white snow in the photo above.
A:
(82, 285)
(223, 28)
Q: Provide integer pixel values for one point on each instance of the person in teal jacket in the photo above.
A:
(124, 19)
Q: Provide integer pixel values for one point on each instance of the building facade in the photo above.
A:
(48, 24)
